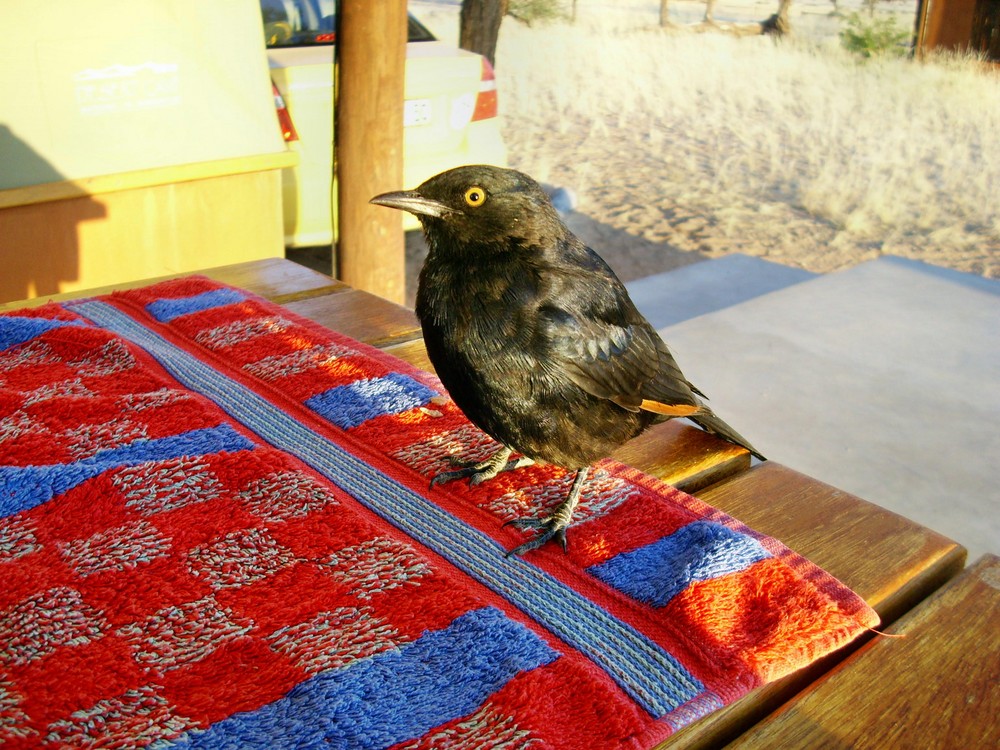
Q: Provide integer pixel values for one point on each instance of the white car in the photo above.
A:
(450, 111)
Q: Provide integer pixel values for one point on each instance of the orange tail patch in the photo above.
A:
(670, 410)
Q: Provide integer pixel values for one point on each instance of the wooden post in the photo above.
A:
(948, 24)
(369, 132)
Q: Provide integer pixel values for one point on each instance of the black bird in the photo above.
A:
(533, 335)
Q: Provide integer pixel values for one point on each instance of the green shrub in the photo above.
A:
(531, 11)
(874, 35)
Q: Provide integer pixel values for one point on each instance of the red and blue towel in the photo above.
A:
(216, 531)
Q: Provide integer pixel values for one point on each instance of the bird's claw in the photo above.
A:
(554, 525)
(549, 528)
(469, 470)
(463, 463)
(481, 471)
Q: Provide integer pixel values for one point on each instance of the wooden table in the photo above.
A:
(936, 683)
(892, 562)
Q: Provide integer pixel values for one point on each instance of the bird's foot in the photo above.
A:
(549, 528)
(482, 471)
(553, 526)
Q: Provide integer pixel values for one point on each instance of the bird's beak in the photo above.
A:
(414, 202)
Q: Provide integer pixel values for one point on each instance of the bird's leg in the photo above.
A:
(484, 470)
(554, 526)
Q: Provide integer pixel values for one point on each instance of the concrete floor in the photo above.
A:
(882, 380)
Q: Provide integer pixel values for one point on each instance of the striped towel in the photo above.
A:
(216, 530)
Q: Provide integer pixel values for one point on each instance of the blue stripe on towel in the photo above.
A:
(24, 487)
(702, 550)
(166, 309)
(393, 696)
(16, 330)
(352, 404)
(642, 668)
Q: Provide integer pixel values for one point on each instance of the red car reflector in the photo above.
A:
(288, 131)
(486, 100)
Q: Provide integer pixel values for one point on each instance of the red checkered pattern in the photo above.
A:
(166, 572)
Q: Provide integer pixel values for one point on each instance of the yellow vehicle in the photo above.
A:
(450, 112)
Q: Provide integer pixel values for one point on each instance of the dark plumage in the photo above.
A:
(533, 335)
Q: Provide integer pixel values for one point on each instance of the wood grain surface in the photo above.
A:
(937, 686)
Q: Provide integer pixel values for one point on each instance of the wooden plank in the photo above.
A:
(360, 315)
(276, 279)
(890, 561)
(939, 686)
(413, 352)
(683, 455)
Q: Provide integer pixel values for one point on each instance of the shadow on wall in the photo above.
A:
(39, 235)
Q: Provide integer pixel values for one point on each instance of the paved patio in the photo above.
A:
(882, 380)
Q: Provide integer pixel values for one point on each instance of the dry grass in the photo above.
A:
(794, 150)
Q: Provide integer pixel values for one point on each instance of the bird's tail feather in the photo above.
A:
(707, 420)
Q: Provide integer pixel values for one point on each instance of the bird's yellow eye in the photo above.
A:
(475, 196)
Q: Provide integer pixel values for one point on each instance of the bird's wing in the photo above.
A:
(626, 362)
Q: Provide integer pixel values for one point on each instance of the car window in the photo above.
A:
(300, 23)
(418, 32)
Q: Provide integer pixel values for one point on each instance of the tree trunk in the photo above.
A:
(709, 11)
(664, 13)
(778, 24)
(479, 26)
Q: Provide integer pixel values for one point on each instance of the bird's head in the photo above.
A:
(481, 204)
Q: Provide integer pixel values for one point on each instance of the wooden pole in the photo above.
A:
(371, 253)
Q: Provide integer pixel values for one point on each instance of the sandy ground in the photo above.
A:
(627, 219)
(639, 236)
(624, 207)
(623, 210)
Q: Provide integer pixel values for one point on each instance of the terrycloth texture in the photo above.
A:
(216, 531)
